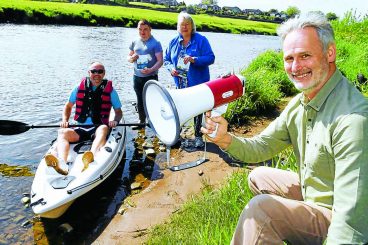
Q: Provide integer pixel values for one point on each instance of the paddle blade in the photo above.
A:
(12, 127)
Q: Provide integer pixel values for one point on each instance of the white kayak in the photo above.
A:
(53, 193)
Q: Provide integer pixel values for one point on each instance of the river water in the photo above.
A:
(39, 66)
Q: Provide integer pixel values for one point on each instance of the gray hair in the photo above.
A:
(184, 15)
(314, 19)
(96, 62)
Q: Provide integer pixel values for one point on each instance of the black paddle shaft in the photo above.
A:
(8, 127)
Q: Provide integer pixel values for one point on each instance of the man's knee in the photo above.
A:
(260, 208)
(257, 173)
(64, 133)
(254, 177)
(102, 130)
(259, 202)
(67, 134)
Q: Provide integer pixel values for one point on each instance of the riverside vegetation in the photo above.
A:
(210, 218)
(40, 12)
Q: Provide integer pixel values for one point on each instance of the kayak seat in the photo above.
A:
(62, 182)
(83, 146)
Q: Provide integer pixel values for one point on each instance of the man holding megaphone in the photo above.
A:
(327, 126)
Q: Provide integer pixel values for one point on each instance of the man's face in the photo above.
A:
(144, 31)
(305, 62)
(96, 73)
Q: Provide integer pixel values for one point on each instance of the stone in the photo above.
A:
(149, 152)
(26, 200)
(122, 210)
(135, 185)
(66, 228)
(147, 145)
(25, 223)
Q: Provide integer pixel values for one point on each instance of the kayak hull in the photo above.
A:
(53, 193)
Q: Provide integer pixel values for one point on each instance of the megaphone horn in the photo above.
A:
(168, 109)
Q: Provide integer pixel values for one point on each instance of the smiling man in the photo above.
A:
(327, 127)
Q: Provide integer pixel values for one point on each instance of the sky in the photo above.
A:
(339, 7)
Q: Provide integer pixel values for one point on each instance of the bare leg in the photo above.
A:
(98, 142)
(65, 136)
(100, 138)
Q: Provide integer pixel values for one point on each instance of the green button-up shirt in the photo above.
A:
(329, 136)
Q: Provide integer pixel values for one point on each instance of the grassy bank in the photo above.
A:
(211, 217)
(33, 12)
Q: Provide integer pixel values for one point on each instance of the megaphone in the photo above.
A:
(168, 109)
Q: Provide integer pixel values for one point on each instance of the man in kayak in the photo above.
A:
(325, 202)
(94, 97)
(146, 54)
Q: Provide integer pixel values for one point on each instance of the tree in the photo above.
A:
(273, 11)
(331, 16)
(209, 2)
(292, 11)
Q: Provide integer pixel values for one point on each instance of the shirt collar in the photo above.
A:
(322, 95)
(181, 38)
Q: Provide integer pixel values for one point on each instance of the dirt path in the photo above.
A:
(164, 196)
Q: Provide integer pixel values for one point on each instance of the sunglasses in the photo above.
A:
(97, 71)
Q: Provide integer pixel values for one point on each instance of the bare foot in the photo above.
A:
(53, 162)
(87, 158)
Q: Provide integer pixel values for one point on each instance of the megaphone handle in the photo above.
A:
(214, 114)
(218, 111)
(213, 134)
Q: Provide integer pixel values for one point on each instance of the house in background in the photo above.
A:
(167, 2)
(231, 10)
(252, 12)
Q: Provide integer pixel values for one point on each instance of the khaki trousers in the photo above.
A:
(278, 213)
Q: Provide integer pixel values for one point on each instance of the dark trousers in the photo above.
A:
(138, 83)
(197, 126)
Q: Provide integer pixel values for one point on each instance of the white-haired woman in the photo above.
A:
(188, 58)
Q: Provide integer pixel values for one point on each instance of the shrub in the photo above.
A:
(266, 84)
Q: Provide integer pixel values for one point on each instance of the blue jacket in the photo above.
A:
(199, 48)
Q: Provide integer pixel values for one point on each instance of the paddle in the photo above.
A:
(8, 127)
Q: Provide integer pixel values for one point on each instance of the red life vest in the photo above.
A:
(95, 104)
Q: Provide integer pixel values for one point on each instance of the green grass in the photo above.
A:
(211, 217)
(352, 48)
(148, 5)
(21, 11)
(207, 219)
